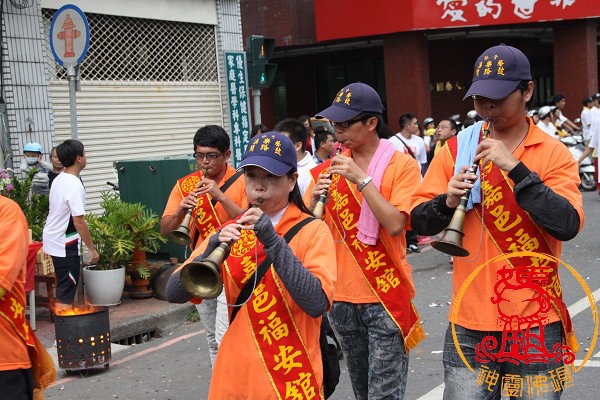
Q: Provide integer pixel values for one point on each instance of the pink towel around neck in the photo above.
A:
(368, 226)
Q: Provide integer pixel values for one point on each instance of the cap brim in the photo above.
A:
(338, 114)
(492, 89)
(267, 163)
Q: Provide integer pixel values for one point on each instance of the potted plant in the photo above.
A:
(104, 281)
(143, 225)
(122, 234)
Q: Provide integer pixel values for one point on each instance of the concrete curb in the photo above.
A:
(158, 322)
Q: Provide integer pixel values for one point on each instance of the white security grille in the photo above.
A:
(133, 50)
(146, 87)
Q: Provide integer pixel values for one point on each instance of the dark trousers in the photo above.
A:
(411, 238)
(67, 276)
(16, 384)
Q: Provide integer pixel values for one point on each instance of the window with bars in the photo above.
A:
(124, 49)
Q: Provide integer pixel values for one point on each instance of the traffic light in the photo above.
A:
(260, 72)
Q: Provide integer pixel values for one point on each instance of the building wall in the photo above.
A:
(144, 94)
(194, 11)
(289, 22)
(25, 81)
(575, 62)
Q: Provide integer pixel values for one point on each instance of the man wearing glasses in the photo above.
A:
(215, 194)
(370, 186)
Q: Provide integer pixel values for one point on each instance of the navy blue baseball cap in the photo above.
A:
(498, 71)
(271, 151)
(351, 101)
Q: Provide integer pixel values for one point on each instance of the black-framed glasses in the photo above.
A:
(347, 124)
(209, 156)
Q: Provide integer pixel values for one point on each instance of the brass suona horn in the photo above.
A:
(181, 235)
(202, 278)
(452, 239)
(318, 210)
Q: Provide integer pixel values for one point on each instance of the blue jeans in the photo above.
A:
(374, 350)
(461, 383)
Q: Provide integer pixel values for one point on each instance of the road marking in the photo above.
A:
(435, 394)
(136, 355)
(579, 306)
(583, 304)
(590, 363)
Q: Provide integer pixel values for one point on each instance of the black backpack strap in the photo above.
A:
(261, 270)
(398, 136)
(228, 183)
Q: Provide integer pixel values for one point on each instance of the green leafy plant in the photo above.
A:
(34, 206)
(122, 228)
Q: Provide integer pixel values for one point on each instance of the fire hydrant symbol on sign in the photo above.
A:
(68, 34)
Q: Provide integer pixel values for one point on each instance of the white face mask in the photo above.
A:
(31, 160)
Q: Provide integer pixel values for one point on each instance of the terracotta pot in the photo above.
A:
(140, 287)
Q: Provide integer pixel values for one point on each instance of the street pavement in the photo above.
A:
(176, 365)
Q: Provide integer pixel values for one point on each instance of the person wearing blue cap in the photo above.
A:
(32, 158)
(271, 348)
(508, 321)
(369, 187)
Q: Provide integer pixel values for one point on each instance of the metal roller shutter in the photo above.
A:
(117, 123)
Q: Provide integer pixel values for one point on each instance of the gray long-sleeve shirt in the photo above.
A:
(303, 286)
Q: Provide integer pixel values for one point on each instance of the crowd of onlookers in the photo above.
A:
(422, 139)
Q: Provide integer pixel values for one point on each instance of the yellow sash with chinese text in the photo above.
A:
(375, 263)
(278, 341)
(42, 365)
(204, 217)
(512, 229)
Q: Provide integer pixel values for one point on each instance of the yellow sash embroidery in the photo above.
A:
(42, 364)
(375, 263)
(278, 341)
(204, 218)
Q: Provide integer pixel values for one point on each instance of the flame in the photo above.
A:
(62, 309)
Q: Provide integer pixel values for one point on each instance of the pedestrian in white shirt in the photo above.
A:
(408, 141)
(297, 132)
(547, 120)
(586, 118)
(594, 143)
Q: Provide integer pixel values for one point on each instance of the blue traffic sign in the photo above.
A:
(69, 35)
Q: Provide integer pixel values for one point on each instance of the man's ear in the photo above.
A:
(227, 154)
(372, 123)
(298, 146)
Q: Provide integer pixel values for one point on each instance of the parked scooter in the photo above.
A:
(586, 168)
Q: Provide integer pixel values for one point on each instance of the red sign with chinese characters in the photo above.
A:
(357, 18)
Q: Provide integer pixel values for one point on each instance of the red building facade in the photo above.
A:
(419, 54)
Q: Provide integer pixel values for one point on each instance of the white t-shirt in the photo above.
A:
(304, 167)
(67, 198)
(549, 128)
(586, 121)
(416, 145)
(595, 129)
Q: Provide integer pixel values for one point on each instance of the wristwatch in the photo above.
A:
(364, 183)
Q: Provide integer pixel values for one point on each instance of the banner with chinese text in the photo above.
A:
(239, 106)
(356, 18)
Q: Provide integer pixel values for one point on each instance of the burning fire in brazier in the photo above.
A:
(82, 337)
